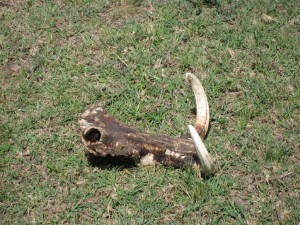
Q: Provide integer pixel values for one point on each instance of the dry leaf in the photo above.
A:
(231, 53)
(24, 153)
(109, 209)
(267, 18)
(157, 64)
(80, 182)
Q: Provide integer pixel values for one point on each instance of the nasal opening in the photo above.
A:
(92, 135)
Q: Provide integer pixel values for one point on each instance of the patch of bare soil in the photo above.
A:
(9, 6)
(120, 13)
(15, 65)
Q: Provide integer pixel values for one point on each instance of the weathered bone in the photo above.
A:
(103, 135)
(202, 117)
(207, 165)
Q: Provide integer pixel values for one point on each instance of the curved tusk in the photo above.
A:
(202, 117)
(207, 166)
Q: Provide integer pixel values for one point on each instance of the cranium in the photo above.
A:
(103, 135)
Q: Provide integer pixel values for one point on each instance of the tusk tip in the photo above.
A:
(202, 108)
(207, 166)
(189, 76)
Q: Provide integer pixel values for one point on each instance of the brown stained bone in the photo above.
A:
(107, 138)
(103, 135)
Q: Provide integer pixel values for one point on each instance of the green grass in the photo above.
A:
(58, 57)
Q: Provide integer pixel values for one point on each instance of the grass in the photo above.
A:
(57, 57)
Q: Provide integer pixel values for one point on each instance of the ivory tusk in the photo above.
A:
(202, 108)
(207, 166)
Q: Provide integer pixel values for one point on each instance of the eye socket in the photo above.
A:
(92, 135)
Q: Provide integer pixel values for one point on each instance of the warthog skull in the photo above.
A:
(103, 135)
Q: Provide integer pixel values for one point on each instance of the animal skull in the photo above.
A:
(103, 135)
